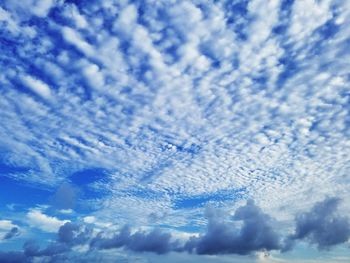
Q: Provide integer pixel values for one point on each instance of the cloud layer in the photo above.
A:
(145, 112)
(258, 232)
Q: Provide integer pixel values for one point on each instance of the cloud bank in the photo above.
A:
(323, 226)
(257, 232)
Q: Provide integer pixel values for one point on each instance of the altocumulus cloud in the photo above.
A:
(170, 106)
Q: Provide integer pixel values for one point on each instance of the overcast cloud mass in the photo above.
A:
(174, 131)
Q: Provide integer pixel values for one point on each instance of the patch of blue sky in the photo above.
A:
(13, 191)
(238, 17)
(88, 176)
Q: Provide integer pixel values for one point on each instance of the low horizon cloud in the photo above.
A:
(258, 232)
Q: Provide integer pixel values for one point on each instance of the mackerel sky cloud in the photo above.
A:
(174, 131)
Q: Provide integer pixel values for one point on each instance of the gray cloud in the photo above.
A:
(322, 226)
(155, 241)
(257, 233)
(73, 234)
(32, 249)
(12, 233)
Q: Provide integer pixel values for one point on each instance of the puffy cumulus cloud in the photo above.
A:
(74, 234)
(68, 236)
(257, 233)
(323, 226)
(6, 224)
(36, 218)
(8, 230)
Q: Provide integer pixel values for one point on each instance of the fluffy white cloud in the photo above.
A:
(8, 230)
(44, 222)
(6, 224)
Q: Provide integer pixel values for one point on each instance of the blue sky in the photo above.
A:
(174, 131)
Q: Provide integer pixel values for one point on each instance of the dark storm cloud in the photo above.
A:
(12, 233)
(256, 233)
(322, 226)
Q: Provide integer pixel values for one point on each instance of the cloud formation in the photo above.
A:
(217, 100)
(12, 233)
(323, 225)
(175, 105)
(257, 233)
(155, 241)
(42, 221)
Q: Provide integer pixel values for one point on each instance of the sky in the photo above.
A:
(174, 131)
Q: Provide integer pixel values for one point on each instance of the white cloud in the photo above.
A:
(72, 12)
(5, 227)
(176, 101)
(37, 86)
(26, 8)
(42, 7)
(44, 222)
(127, 18)
(6, 224)
(307, 16)
(66, 211)
(89, 219)
(73, 37)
